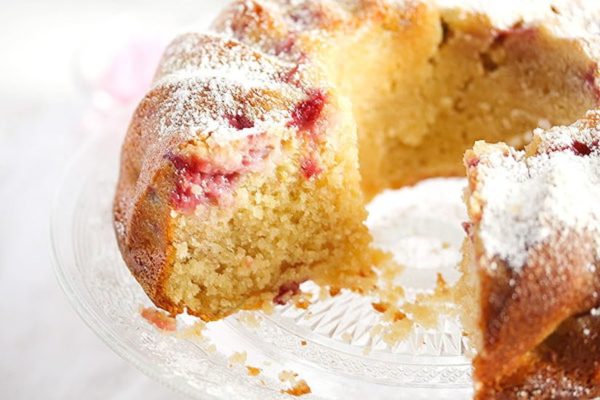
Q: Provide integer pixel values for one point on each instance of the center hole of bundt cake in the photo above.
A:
(423, 95)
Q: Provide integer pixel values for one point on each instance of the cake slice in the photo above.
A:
(532, 259)
(238, 184)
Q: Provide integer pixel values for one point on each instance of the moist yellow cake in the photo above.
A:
(247, 166)
(534, 259)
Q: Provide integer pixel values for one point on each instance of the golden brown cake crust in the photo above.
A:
(519, 310)
(564, 366)
(141, 212)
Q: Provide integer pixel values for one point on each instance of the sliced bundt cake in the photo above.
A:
(247, 165)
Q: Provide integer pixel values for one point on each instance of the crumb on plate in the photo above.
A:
(299, 389)
(160, 319)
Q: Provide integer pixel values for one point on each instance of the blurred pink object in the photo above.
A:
(129, 74)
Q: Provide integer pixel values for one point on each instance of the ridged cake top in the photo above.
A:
(257, 50)
(573, 19)
(552, 187)
(214, 86)
(570, 19)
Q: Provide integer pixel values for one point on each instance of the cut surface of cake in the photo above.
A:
(534, 252)
(246, 167)
(246, 186)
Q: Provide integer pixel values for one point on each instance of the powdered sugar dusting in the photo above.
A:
(204, 80)
(528, 198)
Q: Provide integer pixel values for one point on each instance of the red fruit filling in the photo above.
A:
(592, 82)
(285, 46)
(291, 77)
(473, 162)
(578, 148)
(581, 149)
(305, 116)
(519, 32)
(286, 291)
(468, 228)
(306, 113)
(313, 16)
(239, 121)
(199, 182)
(310, 167)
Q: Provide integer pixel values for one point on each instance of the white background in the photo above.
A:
(46, 351)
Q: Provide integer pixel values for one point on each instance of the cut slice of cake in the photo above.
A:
(237, 185)
(532, 257)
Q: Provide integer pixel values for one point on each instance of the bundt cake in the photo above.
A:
(246, 167)
(534, 259)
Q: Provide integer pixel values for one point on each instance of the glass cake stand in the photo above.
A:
(328, 345)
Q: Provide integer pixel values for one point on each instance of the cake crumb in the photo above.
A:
(398, 316)
(303, 343)
(376, 330)
(253, 371)
(441, 284)
(158, 318)
(238, 358)
(250, 319)
(267, 308)
(299, 389)
(324, 294)
(346, 337)
(380, 307)
(397, 332)
(211, 349)
(302, 304)
(288, 376)
(193, 332)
